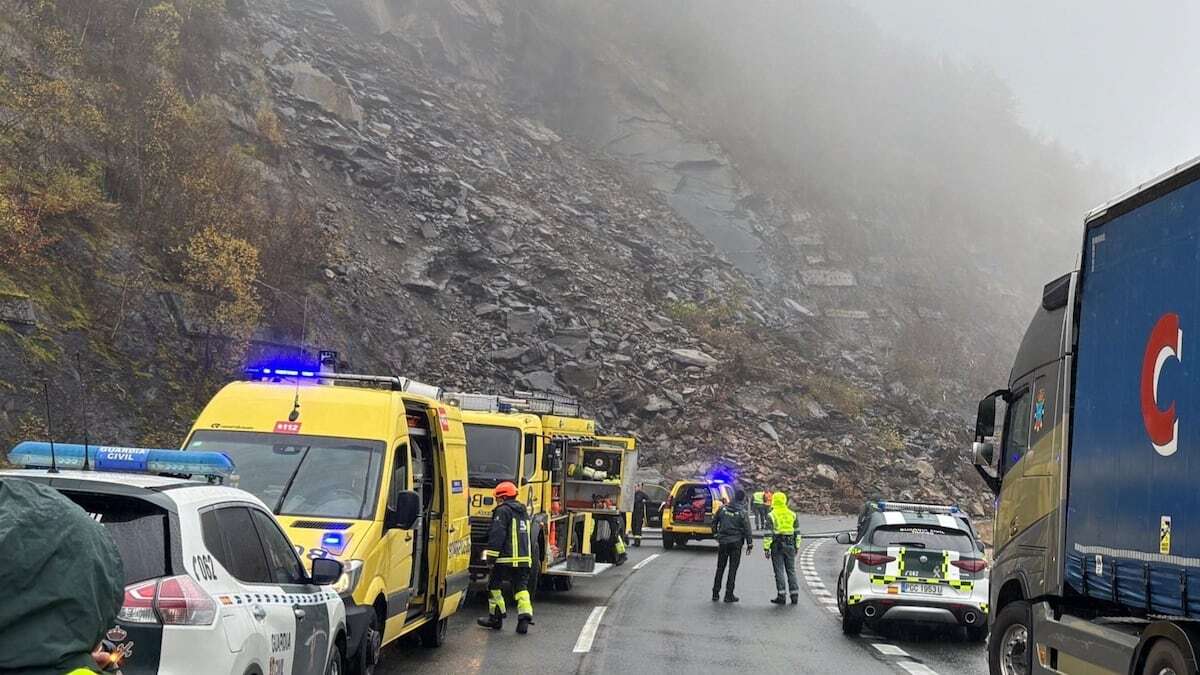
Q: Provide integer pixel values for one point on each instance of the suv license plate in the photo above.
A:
(921, 589)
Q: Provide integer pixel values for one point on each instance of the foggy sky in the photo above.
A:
(1113, 81)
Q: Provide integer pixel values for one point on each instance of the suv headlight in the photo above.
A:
(346, 583)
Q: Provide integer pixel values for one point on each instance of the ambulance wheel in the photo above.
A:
(668, 541)
(1166, 657)
(433, 634)
(364, 661)
(335, 661)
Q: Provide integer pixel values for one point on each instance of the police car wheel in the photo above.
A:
(433, 634)
(335, 661)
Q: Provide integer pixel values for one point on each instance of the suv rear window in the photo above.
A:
(139, 529)
(923, 536)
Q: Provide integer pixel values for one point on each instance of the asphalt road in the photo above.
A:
(658, 616)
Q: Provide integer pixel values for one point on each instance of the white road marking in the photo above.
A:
(833, 610)
(588, 633)
(888, 650)
(916, 668)
(827, 601)
(819, 591)
(645, 562)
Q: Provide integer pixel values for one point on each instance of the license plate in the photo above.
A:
(921, 589)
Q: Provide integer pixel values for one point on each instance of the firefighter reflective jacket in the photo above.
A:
(509, 537)
(758, 498)
(783, 524)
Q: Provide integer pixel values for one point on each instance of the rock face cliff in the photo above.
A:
(502, 198)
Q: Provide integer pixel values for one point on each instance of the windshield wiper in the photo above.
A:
(913, 544)
(291, 479)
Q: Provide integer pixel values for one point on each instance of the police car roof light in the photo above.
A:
(36, 454)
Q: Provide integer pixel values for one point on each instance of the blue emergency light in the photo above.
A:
(36, 454)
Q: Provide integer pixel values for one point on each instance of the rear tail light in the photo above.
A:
(972, 565)
(172, 601)
(139, 603)
(873, 559)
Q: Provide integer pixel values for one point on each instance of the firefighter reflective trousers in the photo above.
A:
(519, 576)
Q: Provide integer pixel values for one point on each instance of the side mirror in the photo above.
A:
(985, 418)
(404, 516)
(325, 571)
(843, 538)
(984, 453)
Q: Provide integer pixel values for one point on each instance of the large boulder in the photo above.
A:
(316, 87)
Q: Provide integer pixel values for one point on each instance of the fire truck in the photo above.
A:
(577, 484)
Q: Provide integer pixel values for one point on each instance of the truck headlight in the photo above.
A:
(346, 583)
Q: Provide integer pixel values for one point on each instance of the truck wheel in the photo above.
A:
(1010, 647)
(535, 569)
(563, 583)
(668, 541)
(433, 634)
(1166, 658)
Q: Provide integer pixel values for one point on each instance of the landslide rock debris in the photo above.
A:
(473, 245)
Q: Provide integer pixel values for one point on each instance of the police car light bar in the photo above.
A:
(36, 454)
(915, 506)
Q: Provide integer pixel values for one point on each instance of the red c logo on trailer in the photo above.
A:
(1166, 341)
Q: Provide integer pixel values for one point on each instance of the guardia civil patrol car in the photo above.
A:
(212, 583)
(913, 562)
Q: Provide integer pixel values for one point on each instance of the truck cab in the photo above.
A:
(541, 444)
(362, 469)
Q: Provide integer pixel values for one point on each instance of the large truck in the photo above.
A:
(369, 470)
(1097, 530)
(578, 485)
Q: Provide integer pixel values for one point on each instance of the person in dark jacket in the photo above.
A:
(732, 527)
(509, 550)
(639, 514)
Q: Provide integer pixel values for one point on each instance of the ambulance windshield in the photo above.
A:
(302, 475)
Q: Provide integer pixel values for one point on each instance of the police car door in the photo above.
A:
(306, 605)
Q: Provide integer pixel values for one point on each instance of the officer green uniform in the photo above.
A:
(509, 547)
(780, 544)
(731, 529)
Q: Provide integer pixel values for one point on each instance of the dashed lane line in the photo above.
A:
(587, 634)
(645, 561)
(888, 649)
(916, 668)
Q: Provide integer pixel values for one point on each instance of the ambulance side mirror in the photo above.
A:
(405, 513)
(843, 538)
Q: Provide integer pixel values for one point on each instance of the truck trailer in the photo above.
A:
(1097, 532)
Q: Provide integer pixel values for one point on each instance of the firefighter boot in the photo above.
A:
(524, 621)
(494, 621)
(780, 599)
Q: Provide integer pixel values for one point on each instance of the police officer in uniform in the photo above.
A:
(780, 545)
(509, 550)
(639, 514)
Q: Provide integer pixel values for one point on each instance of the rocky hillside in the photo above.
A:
(471, 192)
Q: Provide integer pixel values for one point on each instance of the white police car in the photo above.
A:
(212, 583)
(914, 563)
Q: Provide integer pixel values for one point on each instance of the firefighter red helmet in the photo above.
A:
(505, 490)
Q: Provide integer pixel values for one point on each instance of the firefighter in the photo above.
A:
(639, 514)
(760, 510)
(780, 545)
(509, 552)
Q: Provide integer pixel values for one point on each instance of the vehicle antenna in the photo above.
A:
(49, 426)
(84, 406)
(295, 414)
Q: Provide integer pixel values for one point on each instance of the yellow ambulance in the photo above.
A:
(370, 470)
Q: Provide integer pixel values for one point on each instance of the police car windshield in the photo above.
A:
(302, 475)
(922, 536)
(493, 454)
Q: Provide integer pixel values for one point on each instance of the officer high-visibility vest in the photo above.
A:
(783, 523)
(758, 498)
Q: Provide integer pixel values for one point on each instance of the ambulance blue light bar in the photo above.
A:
(281, 372)
(36, 454)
